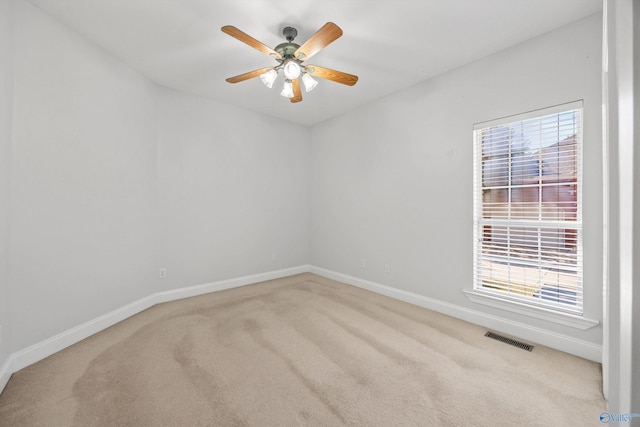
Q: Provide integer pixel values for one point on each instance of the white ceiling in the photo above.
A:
(389, 44)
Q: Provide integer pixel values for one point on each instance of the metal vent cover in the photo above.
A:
(509, 341)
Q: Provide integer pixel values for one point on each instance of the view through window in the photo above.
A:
(527, 208)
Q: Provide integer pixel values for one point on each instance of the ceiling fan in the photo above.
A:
(290, 57)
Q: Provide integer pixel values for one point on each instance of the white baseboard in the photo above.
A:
(43, 349)
(545, 337)
(5, 374)
(192, 291)
(46, 348)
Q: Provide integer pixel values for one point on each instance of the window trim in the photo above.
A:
(501, 299)
(559, 317)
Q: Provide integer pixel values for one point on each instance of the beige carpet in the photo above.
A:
(301, 351)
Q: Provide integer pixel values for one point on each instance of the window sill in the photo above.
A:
(565, 319)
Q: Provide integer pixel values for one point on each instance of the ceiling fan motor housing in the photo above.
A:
(287, 49)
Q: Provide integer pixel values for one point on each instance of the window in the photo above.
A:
(527, 208)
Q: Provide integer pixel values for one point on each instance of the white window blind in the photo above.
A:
(527, 208)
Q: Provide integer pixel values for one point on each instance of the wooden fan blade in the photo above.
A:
(333, 75)
(249, 75)
(321, 39)
(246, 38)
(297, 93)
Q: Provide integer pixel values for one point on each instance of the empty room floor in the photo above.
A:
(302, 350)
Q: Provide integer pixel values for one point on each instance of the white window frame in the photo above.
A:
(561, 313)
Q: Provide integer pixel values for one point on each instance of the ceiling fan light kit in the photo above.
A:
(287, 89)
(309, 82)
(269, 77)
(291, 69)
(290, 57)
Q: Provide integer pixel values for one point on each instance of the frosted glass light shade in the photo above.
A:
(287, 90)
(292, 69)
(309, 82)
(269, 77)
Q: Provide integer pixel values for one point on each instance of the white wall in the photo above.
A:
(233, 191)
(83, 181)
(114, 178)
(392, 182)
(6, 58)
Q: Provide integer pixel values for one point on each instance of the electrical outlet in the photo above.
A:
(163, 273)
(274, 256)
(363, 263)
(387, 268)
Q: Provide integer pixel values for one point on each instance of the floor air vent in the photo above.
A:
(509, 341)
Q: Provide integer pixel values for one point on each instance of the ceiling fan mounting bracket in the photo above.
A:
(289, 33)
